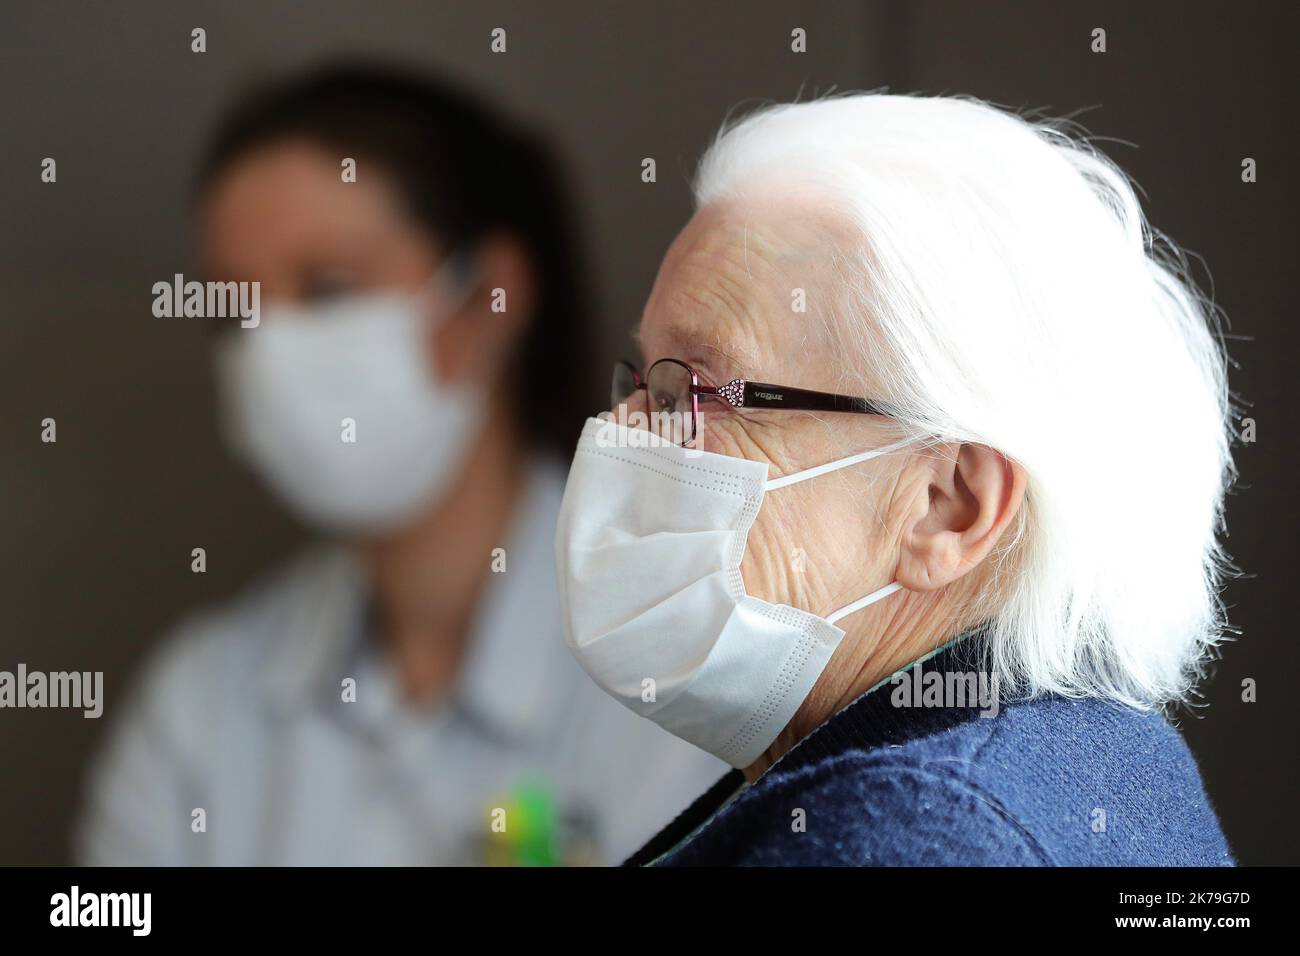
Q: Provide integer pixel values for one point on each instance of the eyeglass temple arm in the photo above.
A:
(742, 394)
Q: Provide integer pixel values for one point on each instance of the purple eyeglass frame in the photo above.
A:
(739, 393)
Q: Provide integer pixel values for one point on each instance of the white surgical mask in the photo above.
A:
(335, 406)
(648, 547)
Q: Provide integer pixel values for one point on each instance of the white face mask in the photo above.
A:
(287, 386)
(648, 546)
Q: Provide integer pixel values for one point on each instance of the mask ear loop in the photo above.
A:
(860, 603)
(450, 287)
(460, 273)
(827, 468)
(836, 465)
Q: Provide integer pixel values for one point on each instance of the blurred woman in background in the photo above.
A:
(400, 693)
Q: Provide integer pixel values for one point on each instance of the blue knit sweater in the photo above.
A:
(1047, 782)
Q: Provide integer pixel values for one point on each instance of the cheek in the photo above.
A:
(817, 544)
(720, 434)
(781, 548)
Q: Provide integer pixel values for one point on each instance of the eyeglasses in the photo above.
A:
(674, 389)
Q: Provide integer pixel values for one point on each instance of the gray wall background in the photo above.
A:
(97, 530)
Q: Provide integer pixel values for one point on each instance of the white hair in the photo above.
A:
(1008, 291)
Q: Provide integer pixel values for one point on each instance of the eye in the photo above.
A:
(708, 367)
(326, 286)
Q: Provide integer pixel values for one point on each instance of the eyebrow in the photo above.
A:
(686, 335)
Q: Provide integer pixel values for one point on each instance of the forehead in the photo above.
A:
(283, 203)
(727, 290)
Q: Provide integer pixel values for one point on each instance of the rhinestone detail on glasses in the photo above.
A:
(733, 393)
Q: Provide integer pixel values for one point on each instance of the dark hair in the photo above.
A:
(463, 171)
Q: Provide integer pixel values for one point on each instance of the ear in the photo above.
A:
(474, 342)
(966, 497)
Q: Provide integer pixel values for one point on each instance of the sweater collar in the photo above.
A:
(873, 719)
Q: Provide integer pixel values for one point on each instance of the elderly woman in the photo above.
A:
(910, 514)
